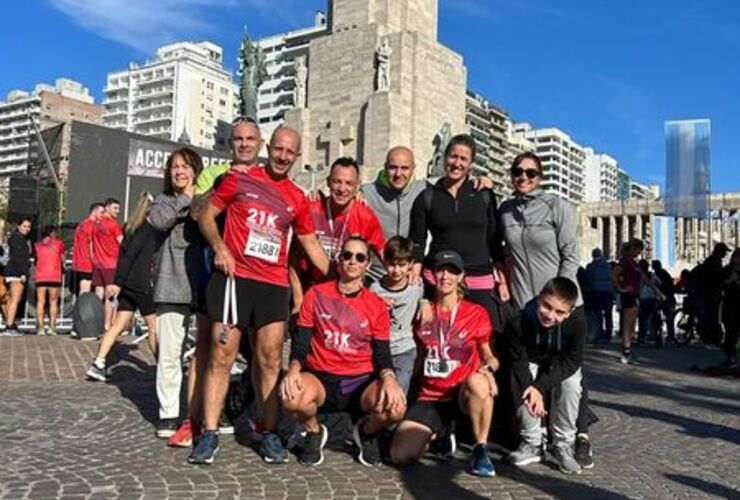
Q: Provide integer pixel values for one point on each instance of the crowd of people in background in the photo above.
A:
(424, 311)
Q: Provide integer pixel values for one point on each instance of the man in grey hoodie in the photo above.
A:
(391, 196)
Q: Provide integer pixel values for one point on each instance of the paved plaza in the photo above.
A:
(665, 432)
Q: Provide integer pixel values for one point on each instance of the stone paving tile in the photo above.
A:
(664, 432)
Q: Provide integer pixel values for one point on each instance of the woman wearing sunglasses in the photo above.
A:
(341, 360)
(539, 230)
(457, 376)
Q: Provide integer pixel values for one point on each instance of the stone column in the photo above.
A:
(680, 244)
(625, 228)
(695, 238)
(600, 231)
(639, 227)
(613, 248)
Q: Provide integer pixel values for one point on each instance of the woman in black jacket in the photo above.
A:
(17, 270)
(133, 283)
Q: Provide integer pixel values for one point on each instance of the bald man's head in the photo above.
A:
(399, 165)
(284, 149)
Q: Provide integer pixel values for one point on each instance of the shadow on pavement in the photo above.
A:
(690, 426)
(705, 486)
(135, 380)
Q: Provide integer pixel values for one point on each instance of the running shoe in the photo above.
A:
(272, 450)
(183, 437)
(96, 372)
(583, 452)
(480, 462)
(369, 450)
(205, 449)
(166, 427)
(526, 454)
(312, 452)
(564, 459)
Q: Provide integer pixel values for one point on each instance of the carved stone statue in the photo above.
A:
(383, 65)
(253, 74)
(436, 167)
(301, 75)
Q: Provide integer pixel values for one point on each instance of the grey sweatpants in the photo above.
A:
(172, 327)
(565, 402)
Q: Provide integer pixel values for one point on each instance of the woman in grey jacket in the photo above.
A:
(177, 274)
(539, 231)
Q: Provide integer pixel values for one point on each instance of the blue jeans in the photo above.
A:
(404, 365)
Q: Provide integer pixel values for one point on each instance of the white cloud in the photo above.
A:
(148, 24)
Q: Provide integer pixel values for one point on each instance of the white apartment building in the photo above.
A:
(276, 92)
(488, 126)
(185, 91)
(562, 160)
(601, 175)
(644, 191)
(47, 105)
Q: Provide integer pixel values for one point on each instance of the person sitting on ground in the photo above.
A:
(341, 360)
(403, 300)
(458, 369)
(546, 344)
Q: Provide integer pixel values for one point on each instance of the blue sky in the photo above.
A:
(607, 72)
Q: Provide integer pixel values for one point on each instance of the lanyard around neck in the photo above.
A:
(443, 335)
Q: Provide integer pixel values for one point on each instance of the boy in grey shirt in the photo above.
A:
(403, 299)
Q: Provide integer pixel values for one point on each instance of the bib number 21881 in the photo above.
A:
(263, 246)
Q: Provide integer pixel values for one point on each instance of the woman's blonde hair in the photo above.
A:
(139, 214)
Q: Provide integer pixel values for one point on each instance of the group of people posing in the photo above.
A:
(414, 306)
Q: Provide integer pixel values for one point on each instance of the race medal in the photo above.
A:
(439, 368)
(263, 246)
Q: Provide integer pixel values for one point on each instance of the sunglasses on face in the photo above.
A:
(346, 256)
(531, 173)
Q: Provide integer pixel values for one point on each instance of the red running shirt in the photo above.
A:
(357, 220)
(261, 214)
(106, 242)
(49, 254)
(81, 258)
(343, 329)
(471, 327)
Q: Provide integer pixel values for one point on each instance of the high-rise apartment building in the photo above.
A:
(488, 126)
(600, 177)
(276, 94)
(562, 160)
(184, 92)
(46, 106)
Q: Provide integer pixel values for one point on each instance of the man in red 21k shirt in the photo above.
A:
(341, 360)
(82, 250)
(106, 240)
(335, 219)
(263, 208)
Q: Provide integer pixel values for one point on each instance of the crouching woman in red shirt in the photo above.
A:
(341, 360)
(458, 368)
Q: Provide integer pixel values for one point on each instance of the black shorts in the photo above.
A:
(75, 278)
(436, 415)
(627, 300)
(49, 284)
(258, 303)
(344, 393)
(131, 301)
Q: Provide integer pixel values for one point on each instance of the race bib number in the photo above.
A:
(439, 368)
(330, 245)
(263, 246)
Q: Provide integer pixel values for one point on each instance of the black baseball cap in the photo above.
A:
(448, 258)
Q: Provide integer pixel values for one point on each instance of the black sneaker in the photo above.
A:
(369, 450)
(312, 453)
(272, 450)
(583, 453)
(205, 448)
(166, 427)
(96, 372)
(445, 445)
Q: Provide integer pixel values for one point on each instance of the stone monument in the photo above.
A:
(378, 79)
(253, 73)
(301, 75)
